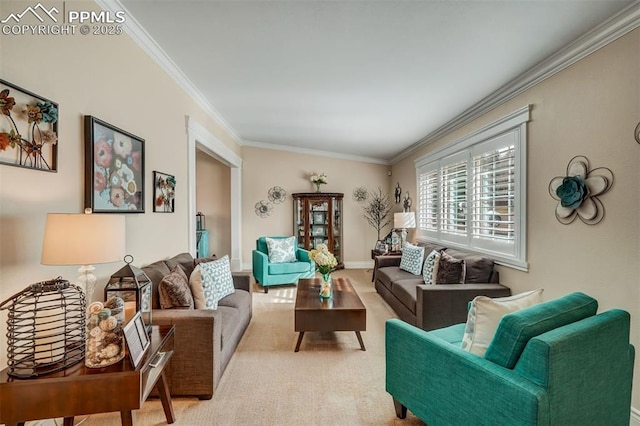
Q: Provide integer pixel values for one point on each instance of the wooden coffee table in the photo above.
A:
(343, 312)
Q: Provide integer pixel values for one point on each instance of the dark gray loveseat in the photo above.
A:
(205, 339)
(439, 305)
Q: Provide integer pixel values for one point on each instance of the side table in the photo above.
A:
(79, 390)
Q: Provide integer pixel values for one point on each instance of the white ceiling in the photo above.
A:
(359, 78)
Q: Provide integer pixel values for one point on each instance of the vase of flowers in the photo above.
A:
(318, 179)
(325, 263)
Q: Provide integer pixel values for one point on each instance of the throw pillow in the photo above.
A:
(174, 290)
(281, 250)
(197, 288)
(411, 260)
(485, 315)
(430, 267)
(216, 281)
(450, 270)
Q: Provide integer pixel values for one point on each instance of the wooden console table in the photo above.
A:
(79, 390)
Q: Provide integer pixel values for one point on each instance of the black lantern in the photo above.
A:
(133, 286)
(200, 222)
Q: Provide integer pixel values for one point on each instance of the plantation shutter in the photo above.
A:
(453, 196)
(428, 198)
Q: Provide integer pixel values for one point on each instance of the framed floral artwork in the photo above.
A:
(164, 192)
(28, 129)
(114, 168)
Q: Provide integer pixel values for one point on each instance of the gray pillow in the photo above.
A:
(450, 270)
(174, 290)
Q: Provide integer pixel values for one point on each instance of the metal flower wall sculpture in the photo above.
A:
(577, 192)
(40, 132)
(277, 195)
(263, 208)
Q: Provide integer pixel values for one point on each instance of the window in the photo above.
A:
(472, 193)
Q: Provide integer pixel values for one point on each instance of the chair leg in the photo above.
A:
(266, 289)
(401, 410)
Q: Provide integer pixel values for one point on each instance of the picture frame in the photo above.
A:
(317, 230)
(114, 168)
(319, 218)
(28, 129)
(164, 192)
(137, 339)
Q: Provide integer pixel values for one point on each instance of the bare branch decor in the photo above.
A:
(377, 211)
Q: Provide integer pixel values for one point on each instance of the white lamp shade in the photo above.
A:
(404, 220)
(83, 239)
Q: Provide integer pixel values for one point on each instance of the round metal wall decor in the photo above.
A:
(263, 208)
(636, 134)
(360, 194)
(277, 195)
(577, 192)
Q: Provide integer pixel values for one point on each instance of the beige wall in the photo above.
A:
(213, 199)
(262, 169)
(590, 109)
(111, 78)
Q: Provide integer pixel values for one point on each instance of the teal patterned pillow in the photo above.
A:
(281, 250)
(412, 258)
(430, 267)
(216, 281)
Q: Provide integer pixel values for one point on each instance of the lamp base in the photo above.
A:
(87, 280)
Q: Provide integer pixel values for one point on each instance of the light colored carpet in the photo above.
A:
(329, 382)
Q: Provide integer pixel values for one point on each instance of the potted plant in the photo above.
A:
(377, 211)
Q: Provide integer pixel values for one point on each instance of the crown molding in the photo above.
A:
(615, 27)
(319, 153)
(151, 48)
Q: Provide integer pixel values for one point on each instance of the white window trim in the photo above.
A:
(515, 122)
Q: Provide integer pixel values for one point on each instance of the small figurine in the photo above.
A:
(398, 193)
(406, 203)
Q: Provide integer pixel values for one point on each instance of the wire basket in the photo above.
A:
(45, 328)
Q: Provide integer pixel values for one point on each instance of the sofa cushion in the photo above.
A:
(185, 260)
(450, 270)
(281, 250)
(516, 329)
(429, 247)
(174, 290)
(390, 274)
(156, 272)
(239, 299)
(197, 288)
(430, 267)
(216, 280)
(288, 268)
(412, 258)
(405, 291)
(485, 315)
(478, 268)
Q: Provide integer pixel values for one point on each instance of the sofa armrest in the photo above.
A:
(196, 357)
(442, 305)
(389, 260)
(242, 281)
(260, 266)
(419, 376)
(303, 255)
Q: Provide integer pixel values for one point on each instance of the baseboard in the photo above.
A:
(635, 417)
(367, 264)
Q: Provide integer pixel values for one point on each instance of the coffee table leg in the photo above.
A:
(300, 336)
(360, 340)
(165, 397)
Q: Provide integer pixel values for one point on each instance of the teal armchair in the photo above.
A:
(268, 274)
(555, 363)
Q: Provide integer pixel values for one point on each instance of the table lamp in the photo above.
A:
(402, 221)
(83, 239)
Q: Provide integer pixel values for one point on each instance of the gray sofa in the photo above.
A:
(440, 305)
(205, 339)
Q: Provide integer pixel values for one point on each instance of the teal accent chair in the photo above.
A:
(555, 363)
(268, 274)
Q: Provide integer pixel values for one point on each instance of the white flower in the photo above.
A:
(321, 178)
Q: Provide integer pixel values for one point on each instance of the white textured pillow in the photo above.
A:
(430, 267)
(197, 288)
(485, 315)
(281, 250)
(411, 260)
(216, 281)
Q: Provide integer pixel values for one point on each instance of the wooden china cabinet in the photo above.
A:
(317, 219)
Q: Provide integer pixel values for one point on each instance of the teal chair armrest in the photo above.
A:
(445, 385)
(260, 265)
(303, 256)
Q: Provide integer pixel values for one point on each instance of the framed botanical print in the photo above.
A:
(164, 192)
(114, 169)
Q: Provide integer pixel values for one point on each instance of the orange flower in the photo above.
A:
(6, 102)
(33, 114)
(5, 139)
